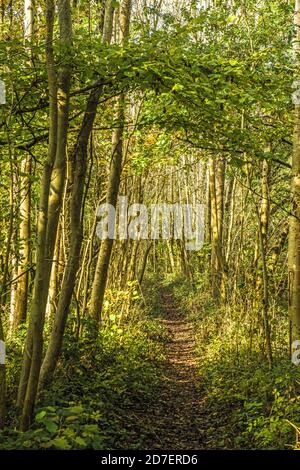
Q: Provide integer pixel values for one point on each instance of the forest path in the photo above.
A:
(175, 419)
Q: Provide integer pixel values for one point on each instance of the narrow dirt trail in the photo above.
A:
(175, 419)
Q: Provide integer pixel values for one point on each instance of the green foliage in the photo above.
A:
(96, 388)
(217, 81)
(63, 428)
(247, 405)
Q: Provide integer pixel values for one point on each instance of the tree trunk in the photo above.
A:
(101, 272)
(144, 264)
(21, 294)
(294, 220)
(59, 113)
(216, 197)
(2, 376)
(263, 224)
(79, 160)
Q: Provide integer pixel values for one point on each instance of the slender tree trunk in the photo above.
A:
(144, 264)
(39, 293)
(14, 242)
(2, 376)
(220, 182)
(79, 160)
(101, 272)
(279, 245)
(21, 293)
(170, 255)
(230, 223)
(263, 224)
(54, 278)
(47, 228)
(265, 297)
(294, 221)
(208, 217)
(8, 246)
(216, 231)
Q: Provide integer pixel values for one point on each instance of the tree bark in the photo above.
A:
(2, 379)
(79, 159)
(216, 198)
(294, 220)
(263, 224)
(59, 114)
(102, 266)
(21, 294)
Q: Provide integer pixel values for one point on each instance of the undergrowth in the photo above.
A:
(248, 406)
(97, 386)
(101, 388)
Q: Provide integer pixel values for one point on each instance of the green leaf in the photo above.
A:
(50, 426)
(80, 441)
(61, 443)
(73, 410)
(40, 416)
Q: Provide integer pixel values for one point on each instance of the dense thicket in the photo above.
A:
(172, 102)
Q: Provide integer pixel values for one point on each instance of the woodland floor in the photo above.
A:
(175, 419)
